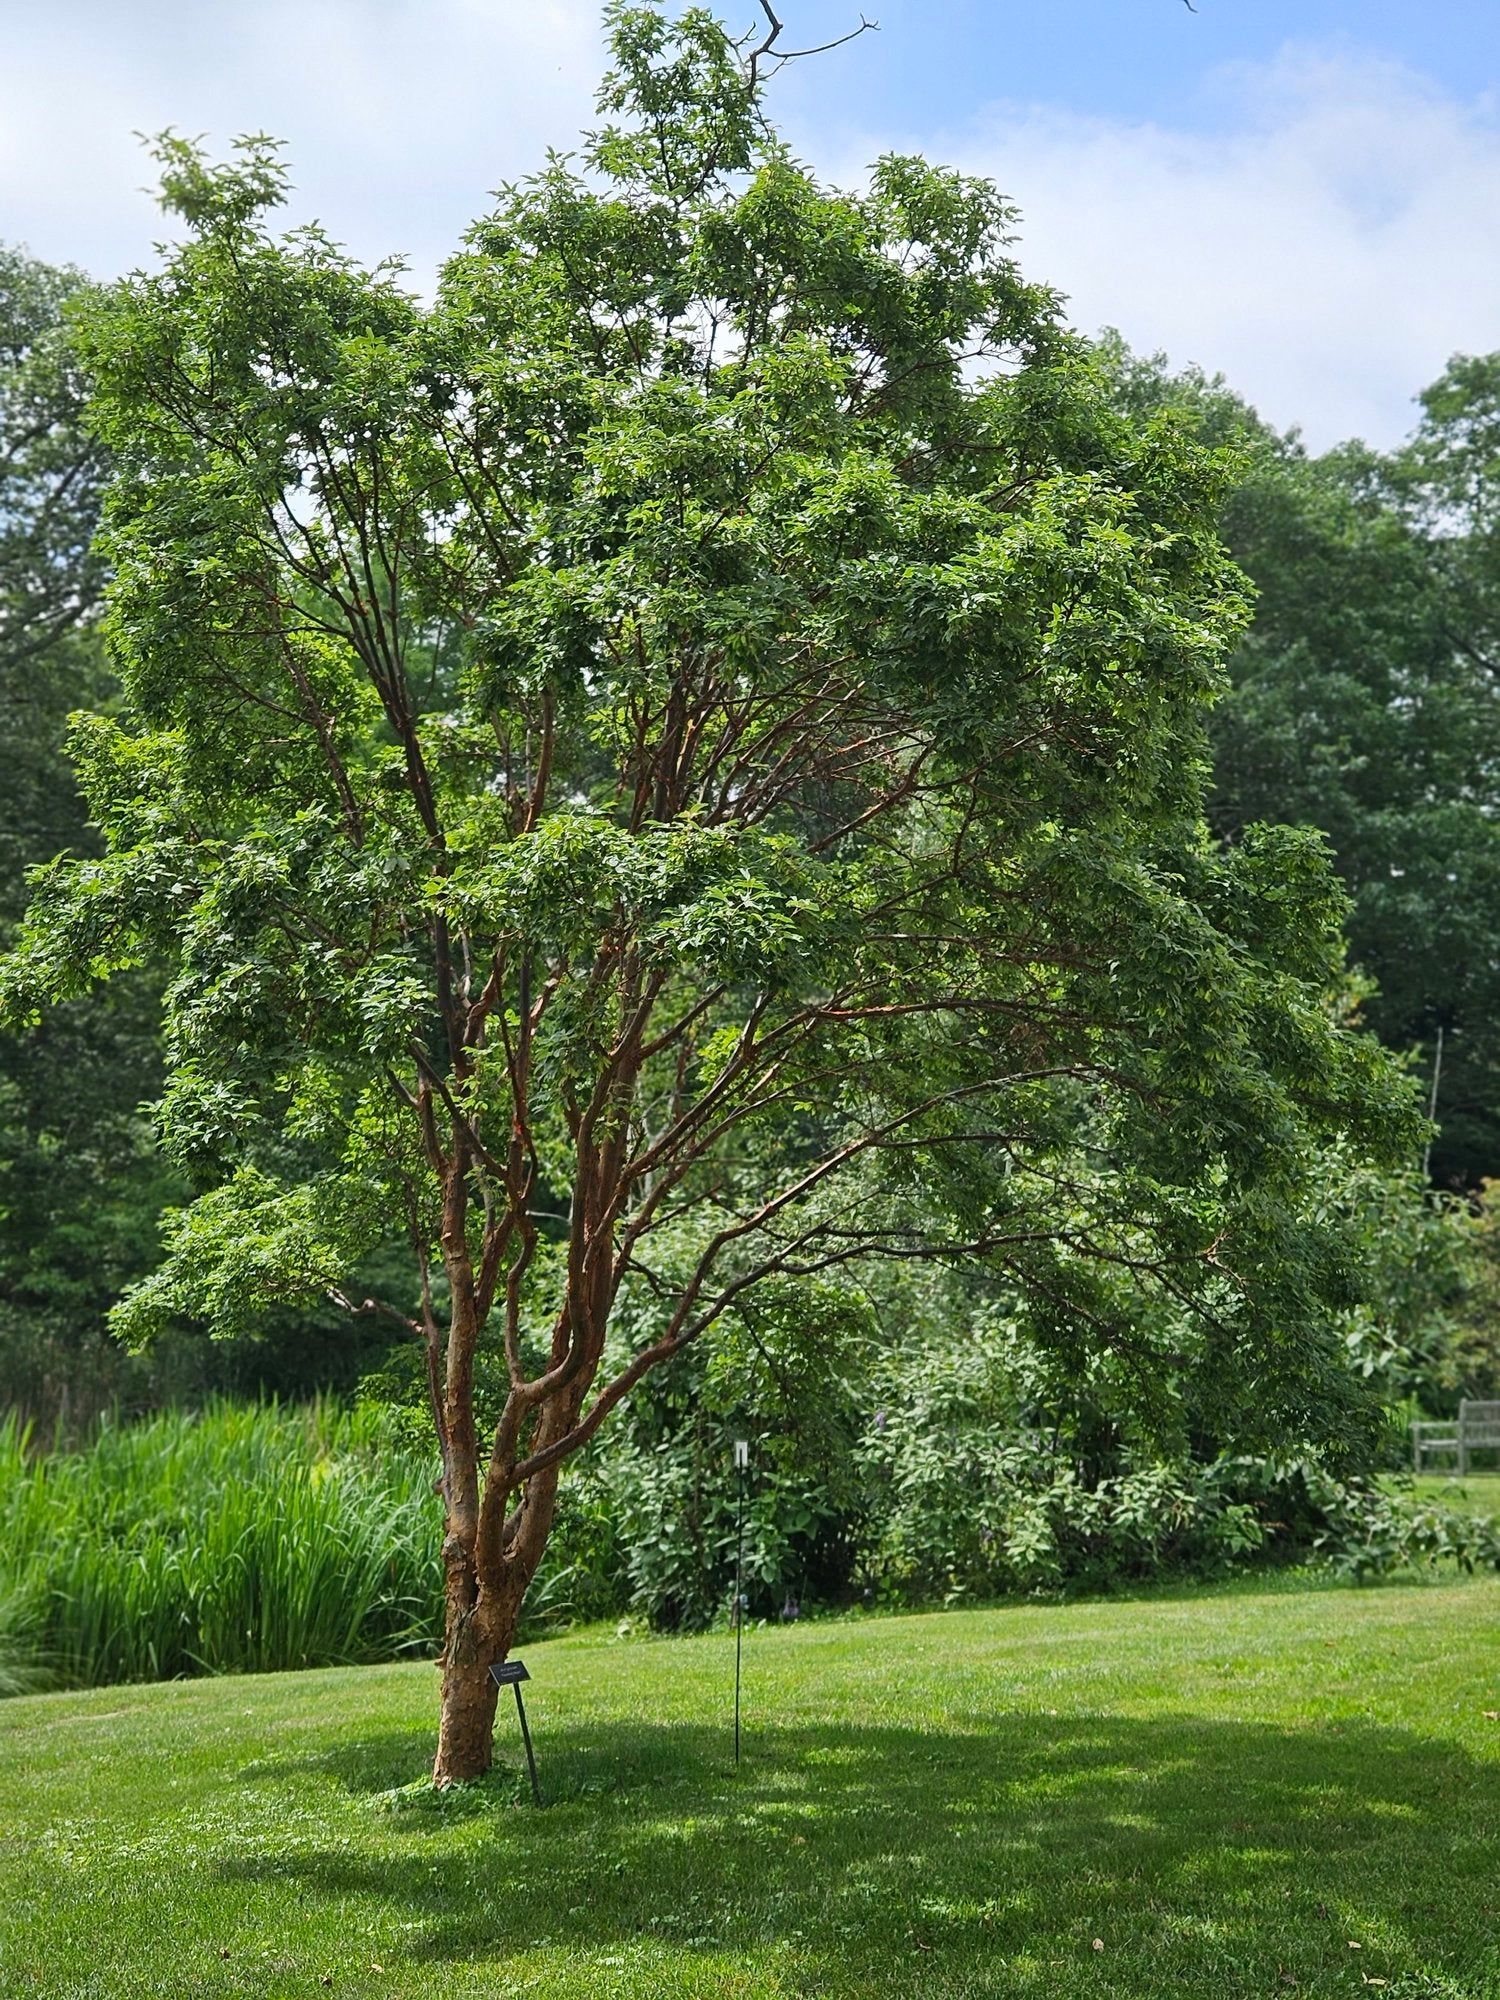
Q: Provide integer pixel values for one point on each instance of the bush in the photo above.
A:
(782, 1374)
(1012, 1516)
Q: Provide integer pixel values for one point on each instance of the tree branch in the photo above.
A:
(780, 57)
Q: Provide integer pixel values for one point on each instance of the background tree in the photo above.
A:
(1447, 486)
(80, 1182)
(673, 771)
(51, 471)
(1364, 701)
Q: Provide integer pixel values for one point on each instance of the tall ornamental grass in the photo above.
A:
(239, 1540)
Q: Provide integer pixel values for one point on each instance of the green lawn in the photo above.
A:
(1229, 1791)
(1475, 1493)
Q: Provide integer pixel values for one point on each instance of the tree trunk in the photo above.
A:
(486, 1587)
(466, 1731)
(478, 1638)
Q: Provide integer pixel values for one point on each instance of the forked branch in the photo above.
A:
(768, 50)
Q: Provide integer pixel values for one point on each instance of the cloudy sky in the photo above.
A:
(1304, 194)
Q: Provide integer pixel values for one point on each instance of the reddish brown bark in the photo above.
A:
(466, 1727)
(486, 1585)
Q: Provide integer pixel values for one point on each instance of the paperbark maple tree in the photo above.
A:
(673, 766)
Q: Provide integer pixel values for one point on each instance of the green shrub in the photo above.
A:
(782, 1374)
(1003, 1512)
(1366, 1533)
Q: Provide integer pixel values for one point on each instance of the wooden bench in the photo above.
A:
(1477, 1428)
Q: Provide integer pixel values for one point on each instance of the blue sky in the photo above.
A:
(1133, 59)
(1304, 196)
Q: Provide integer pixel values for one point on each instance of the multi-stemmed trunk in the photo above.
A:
(483, 1601)
(476, 1640)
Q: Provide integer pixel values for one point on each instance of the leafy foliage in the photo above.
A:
(80, 1186)
(1363, 701)
(51, 472)
(1465, 1361)
(783, 1372)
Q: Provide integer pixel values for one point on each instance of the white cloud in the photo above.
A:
(1327, 247)
(1323, 229)
(400, 115)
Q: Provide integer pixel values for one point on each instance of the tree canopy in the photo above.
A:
(1363, 701)
(51, 471)
(677, 767)
(80, 1182)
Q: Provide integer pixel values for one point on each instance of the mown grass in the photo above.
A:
(1247, 1791)
(1474, 1493)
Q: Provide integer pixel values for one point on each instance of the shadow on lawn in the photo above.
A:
(1210, 1857)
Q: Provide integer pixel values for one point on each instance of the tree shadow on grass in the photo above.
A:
(1206, 1857)
(370, 1764)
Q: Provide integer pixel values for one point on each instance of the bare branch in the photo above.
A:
(775, 28)
(375, 1308)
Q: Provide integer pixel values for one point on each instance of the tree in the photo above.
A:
(1363, 701)
(51, 471)
(1445, 485)
(1467, 1361)
(1362, 706)
(673, 770)
(80, 1182)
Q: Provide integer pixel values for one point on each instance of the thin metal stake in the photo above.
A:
(511, 1673)
(1437, 1077)
(536, 1790)
(741, 1460)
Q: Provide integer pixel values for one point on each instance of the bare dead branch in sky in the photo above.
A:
(775, 28)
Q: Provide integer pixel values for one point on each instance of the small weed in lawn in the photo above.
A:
(498, 1790)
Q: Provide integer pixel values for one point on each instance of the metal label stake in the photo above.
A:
(511, 1673)
(741, 1464)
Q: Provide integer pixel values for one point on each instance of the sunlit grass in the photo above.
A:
(1239, 1792)
(1474, 1493)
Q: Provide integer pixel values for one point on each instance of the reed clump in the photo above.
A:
(237, 1539)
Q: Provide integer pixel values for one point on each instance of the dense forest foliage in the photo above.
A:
(1119, 1328)
(1364, 701)
(80, 1185)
